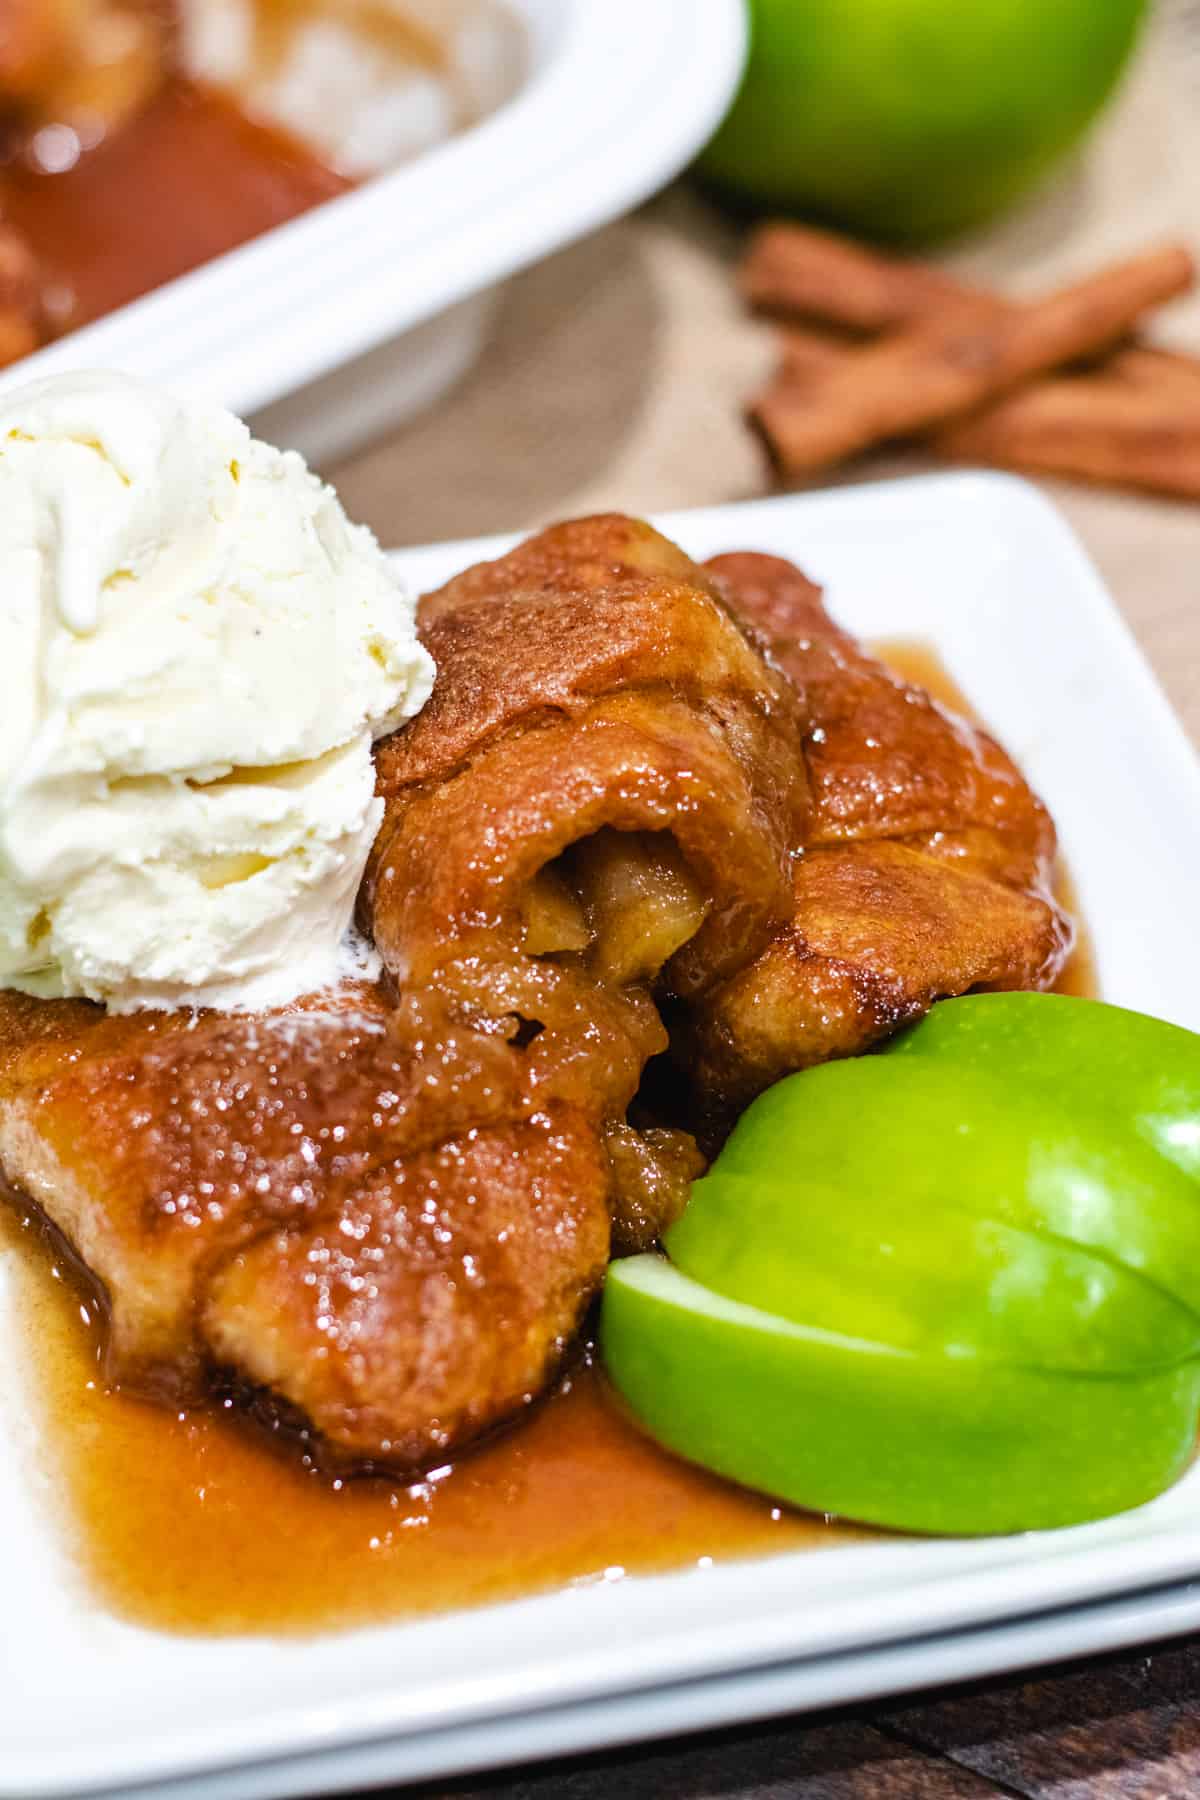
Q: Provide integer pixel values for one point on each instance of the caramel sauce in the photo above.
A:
(194, 1523)
(185, 180)
(920, 663)
(916, 661)
(118, 179)
(1080, 975)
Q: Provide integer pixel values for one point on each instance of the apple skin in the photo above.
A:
(1104, 1061)
(914, 120)
(935, 1130)
(937, 1275)
(937, 1443)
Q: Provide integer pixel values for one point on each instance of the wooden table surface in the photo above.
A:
(1124, 1728)
(615, 378)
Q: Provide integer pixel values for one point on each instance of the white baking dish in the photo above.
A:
(387, 285)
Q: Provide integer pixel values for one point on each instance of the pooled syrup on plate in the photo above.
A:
(194, 1523)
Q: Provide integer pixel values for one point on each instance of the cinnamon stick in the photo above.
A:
(795, 272)
(1147, 366)
(813, 280)
(1132, 422)
(804, 351)
(954, 362)
(1142, 433)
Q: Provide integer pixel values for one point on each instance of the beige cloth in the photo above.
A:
(618, 369)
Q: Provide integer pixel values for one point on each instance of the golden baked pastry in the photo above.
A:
(642, 796)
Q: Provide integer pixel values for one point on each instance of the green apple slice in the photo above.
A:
(938, 1276)
(932, 1442)
(1103, 1061)
(1025, 1155)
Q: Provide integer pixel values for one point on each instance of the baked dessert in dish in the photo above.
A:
(141, 138)
(653, 814)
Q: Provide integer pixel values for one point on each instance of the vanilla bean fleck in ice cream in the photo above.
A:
(197, 649)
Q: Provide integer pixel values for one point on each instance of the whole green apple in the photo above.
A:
(915, 119)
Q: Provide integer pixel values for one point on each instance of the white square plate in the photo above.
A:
(983, 569)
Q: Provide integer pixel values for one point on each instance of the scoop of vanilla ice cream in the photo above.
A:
(198, 649)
